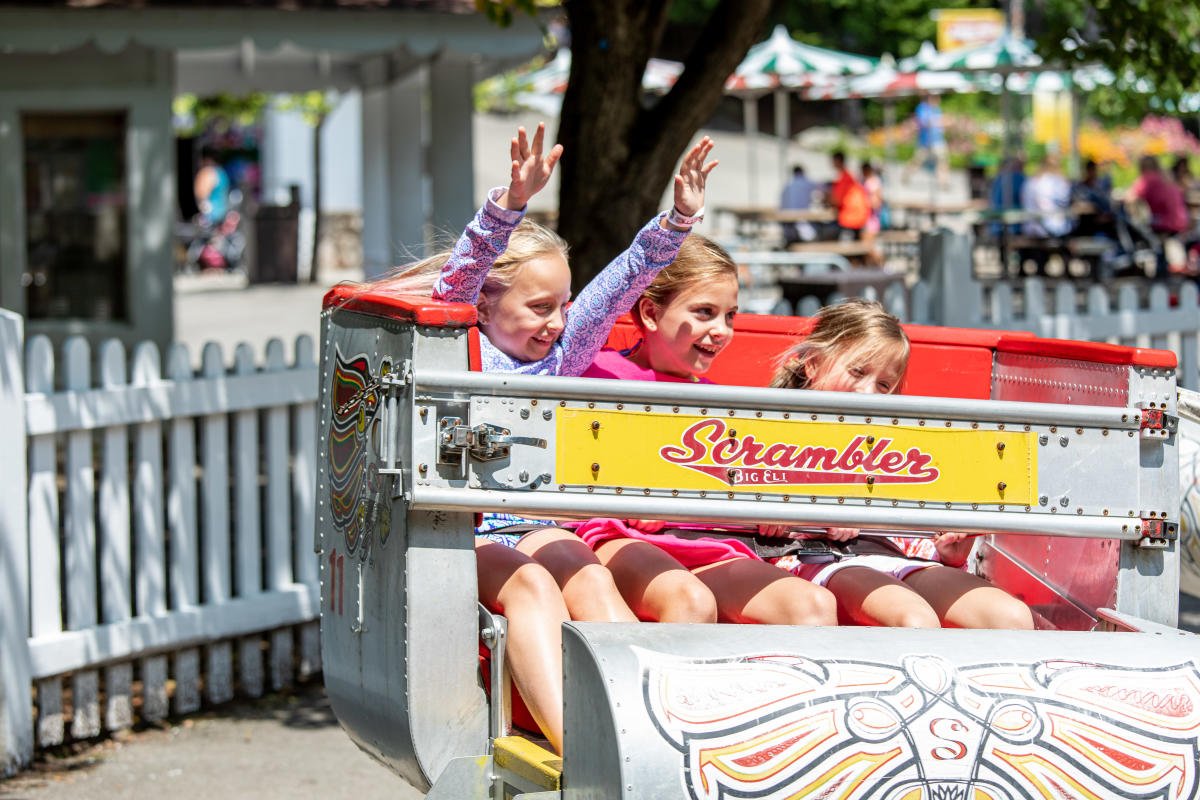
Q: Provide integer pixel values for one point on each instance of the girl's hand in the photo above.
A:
(530, 170)
(954, 547)
(693, 174)
(774, 531)
(646, 525)
(842, 534)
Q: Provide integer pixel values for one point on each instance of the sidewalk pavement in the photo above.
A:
(286, 746)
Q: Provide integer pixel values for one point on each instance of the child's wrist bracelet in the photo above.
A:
(679, 219)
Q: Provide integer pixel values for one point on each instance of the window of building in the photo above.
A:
(75, 216)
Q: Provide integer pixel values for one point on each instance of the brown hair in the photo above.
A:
(855, 322)
(700, 259)
(529, 240)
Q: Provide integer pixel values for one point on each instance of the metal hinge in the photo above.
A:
(1156, 533)
(484, 442)
(1158, 424)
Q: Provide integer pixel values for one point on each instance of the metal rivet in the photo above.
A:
(1001, 506)
(787, 415)
(814, 417)
(920, 422)
(999, 445)
(1063, 440)
(731, 473)
(974, 426)
(870, 440)
(732, 432)
(758, 413)
(732, 412)
(948, 505)
(1054, 429)
(562, 403)
(787, 498)
(1104, 432)
(731, 495)
(1043, 439)
(1000, 427)
(1131, 433)
(895, 422)
(1043, 500)
(424, 412)
(524, 413)
(1064, 501)
(1079, 511)
(533, 402)
(947, 423)
(704, 411)
(524, 476)
(619, 490)
(645, 408)
(1053, 509)
(1002, 486)
(675, 409)
(895, 502)
(595, 425)
(443, 422)
(422, 468)
(703, 493)
(674, 493)
(841, 418)
(562, 487)
(870, 480)
(591, 489)
(591, 405)
(974, 506)
(757, 496)
(1026, 428)
(841, 500)
(921, 503)
(620, 406)
(595, 466)
(645, 491)
(547, 414)
(1079, 431)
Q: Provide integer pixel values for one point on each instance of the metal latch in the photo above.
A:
(484, 442)
(1157, 532)
(1157, 424)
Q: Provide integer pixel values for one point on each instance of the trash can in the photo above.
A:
(277, 234)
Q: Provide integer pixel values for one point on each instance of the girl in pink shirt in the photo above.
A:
(686, 317)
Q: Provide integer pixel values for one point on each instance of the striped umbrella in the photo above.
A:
(887, 82)
(778, 65)
(1004, 54)
(781, 61)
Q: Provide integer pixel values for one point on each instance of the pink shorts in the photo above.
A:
(821, 571)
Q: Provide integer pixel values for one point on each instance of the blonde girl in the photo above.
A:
(858, 347)
(680, 572)
(515, 273)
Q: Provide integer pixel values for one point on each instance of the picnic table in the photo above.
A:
(814, 272)
(749, 221)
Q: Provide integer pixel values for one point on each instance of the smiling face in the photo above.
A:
(684, 335)
(525, 320)
(864, 369)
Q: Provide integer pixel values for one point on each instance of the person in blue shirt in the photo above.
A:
(798, 195)
(211, 187)
(931, 138)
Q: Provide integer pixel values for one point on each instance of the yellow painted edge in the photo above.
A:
(527, 760)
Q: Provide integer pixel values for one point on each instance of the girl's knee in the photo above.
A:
(1010, 614)
(532, 584)
(809, 605)
(682, 597)
(915, 617)
(591, 594)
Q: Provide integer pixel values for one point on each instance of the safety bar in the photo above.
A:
(585, 506)
(595, 389)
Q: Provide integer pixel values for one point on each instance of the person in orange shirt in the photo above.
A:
(849, 198)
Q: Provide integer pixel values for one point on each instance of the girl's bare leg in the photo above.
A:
(587, 586)
(752, 591)
(656, 586)
(870, 597)
(522, 589)
(963, 600)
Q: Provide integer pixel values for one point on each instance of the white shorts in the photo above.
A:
(819, 573)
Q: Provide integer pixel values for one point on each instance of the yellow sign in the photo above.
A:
(967, 27)
(635, 450)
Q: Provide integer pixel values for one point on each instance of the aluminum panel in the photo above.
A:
(714, 711)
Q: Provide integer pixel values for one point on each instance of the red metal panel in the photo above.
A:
(380, 302)
(1098, 352)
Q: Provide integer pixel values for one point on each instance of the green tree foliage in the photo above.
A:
(869, 27)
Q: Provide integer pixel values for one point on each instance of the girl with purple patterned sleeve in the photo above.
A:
(515, 273)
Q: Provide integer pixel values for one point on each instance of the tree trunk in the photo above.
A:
(618, 156)
(316, 242)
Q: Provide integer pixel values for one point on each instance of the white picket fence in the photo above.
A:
(1058, 313)
(156, 533)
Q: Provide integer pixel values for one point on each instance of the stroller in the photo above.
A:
(218, 246)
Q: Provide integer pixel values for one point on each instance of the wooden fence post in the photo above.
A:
(16, 706)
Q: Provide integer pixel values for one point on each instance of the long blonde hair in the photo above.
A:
(699, 259)
(855, 322)
(528, 241)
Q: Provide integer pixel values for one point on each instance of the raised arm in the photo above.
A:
(614, 291)
(486, 237)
